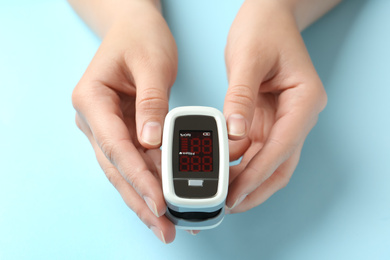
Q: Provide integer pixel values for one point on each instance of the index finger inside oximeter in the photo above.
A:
(195, 167)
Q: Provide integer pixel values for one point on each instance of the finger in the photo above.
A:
(292, 125)
(237, 148)
(248, 154)
(153, 87)
(193, 232)
(278, 180)
(161, 227)
(155, 158)
(83, 126)
(246, 71)
(235, 170)
(112, 136)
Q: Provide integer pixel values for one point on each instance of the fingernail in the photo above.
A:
(227, 210)
(158, 233)
(151, 133)
(238, 201)
(193, 232)
(236, 125)
(152, 205)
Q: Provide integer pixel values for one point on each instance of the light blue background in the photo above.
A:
(55, 202)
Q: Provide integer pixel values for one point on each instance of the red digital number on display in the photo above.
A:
(196, 150)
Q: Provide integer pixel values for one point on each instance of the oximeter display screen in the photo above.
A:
(195, 151)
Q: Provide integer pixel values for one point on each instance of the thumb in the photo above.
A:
(151, 108)
(245, 78)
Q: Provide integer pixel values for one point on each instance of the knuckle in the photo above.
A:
(85, 93)
(133, 174)
(112, 175)
(82, 125)
(323, 99)
(144, 59)
(284, 182)
(152, 99)
(279, 179)
(255, 176)
(109, 148)
(78, 123)
(80, 98)
(241, 95)
(247, 52)
(319, 96)
(150, 58)
(134, 177)
(279, 143)
(285, 148)
(76, 94)
(143, 215)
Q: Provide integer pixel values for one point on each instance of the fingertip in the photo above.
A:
(227, 210)
(162, 209)
(159, 234)
(232, 203)
(151, 135)
(236, 126)
(164, 230)
(156, 206)
(193, 232)
(170, 237)
(229, 202)
(169, 231)
(152, 206)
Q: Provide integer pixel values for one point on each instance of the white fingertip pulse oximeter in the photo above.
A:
(195, 167)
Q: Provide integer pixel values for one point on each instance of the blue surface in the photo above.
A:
(55, 202)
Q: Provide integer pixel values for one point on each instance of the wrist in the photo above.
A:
(304, 12)
(132, 13)
(100, 16)
(275, 11)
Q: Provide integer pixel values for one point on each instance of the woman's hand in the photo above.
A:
(273, 100)
(121, 102)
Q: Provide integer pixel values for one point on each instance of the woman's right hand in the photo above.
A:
(121, 102)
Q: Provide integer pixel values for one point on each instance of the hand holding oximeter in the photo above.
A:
(195, 167)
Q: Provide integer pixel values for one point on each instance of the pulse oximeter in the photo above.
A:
(195, 167)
